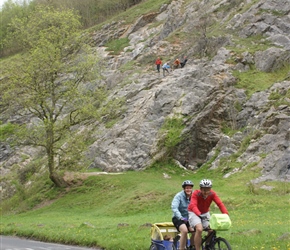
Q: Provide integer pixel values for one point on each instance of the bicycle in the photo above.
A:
(164, 236)
(215, 243)
(209, 242)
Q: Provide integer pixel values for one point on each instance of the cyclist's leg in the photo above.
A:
(192, 238)
(209, 236)
(183, 236)
(205, 225)
(197, 236)
(195, 222)
(192, 233)
(182, 228)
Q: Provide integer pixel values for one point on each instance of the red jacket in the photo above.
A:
(158, 61)
(199, 205)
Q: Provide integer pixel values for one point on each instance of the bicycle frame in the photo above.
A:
(209, 241)
(213, 242)
(211, 235)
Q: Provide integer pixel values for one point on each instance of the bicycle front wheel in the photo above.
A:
(221, 244)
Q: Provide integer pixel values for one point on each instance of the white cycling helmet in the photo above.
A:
(205, 183)
(187, 183)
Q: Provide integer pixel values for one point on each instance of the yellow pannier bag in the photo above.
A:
(220, 222)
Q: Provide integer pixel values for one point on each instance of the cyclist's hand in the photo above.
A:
(202, 216)
(184, 219)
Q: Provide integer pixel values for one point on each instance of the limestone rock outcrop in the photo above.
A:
(203, 93)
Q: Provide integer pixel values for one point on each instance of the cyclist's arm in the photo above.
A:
(175, 206)
(220, 204)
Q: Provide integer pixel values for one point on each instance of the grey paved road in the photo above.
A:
(14, 243)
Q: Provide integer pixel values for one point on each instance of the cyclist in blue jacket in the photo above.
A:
(179, 206)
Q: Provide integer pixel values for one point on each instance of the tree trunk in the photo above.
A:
(57, 180)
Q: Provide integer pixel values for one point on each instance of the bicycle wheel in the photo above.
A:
(221, 244)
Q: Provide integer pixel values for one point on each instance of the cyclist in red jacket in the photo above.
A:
(199, 208)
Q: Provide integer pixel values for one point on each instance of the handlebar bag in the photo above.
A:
(220, 222)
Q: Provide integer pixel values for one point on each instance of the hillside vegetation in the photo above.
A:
(92, 12)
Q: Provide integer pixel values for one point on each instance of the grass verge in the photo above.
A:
(115, 211)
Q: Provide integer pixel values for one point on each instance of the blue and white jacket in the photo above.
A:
(166, 66)
(179, 205)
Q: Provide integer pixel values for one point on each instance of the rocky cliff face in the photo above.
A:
(203, 93)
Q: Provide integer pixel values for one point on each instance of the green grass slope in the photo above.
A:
(114, 211)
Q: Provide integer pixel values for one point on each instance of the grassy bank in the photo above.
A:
(114, 211)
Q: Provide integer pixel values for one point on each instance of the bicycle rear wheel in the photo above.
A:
(221, 244)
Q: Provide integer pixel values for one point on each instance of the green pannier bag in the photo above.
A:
(220, 222)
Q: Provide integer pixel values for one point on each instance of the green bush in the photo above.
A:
(171, 133)
(116, 46)
(6, 130)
